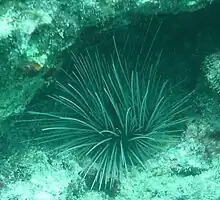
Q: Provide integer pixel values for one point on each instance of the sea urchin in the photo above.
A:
(118, 114)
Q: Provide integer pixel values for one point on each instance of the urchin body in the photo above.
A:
(119, 114)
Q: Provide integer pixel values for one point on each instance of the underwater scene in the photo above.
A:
(109, 99)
